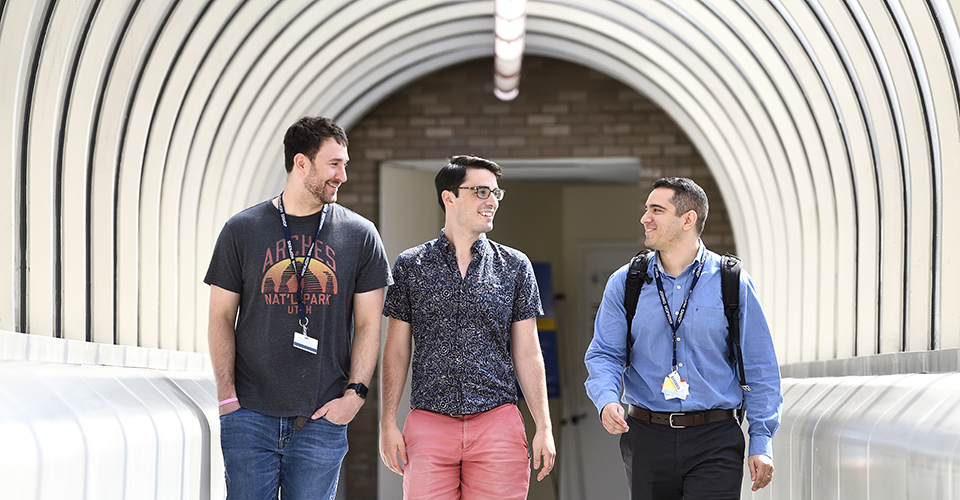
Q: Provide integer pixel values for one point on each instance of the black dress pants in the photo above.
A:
(696, 463)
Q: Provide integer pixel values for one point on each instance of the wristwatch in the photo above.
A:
(360, 388)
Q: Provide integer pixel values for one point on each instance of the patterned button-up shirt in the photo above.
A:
(461, 326)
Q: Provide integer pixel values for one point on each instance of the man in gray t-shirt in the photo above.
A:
(296, 291)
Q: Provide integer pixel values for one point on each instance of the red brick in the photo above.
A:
(622, 128)
(511, 141)
(662, 139)
(541, 119)
(555, 108)
(574, 96)
(556, 130)
(438, 132)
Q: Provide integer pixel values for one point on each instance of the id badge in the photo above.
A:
(305, 342)
(675, 387)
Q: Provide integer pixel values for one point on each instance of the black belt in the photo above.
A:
(680, 420)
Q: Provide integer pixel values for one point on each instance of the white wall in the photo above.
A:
(409, 216)
(88, 421)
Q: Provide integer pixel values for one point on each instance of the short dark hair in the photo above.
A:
(452, 174)
(307, 135)
(687, 196)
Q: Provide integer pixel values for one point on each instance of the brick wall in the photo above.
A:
(563, 110)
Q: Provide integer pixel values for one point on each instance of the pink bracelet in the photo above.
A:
(228, 401)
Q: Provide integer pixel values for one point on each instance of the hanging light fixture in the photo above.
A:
(510, 19)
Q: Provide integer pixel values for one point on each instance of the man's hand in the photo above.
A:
(392, 444)
(761, 470)
(341, 410)
(544, 447)
(612, 418)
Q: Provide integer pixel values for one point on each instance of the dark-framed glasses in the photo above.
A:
(483, 192)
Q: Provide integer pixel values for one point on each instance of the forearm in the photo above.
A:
(363, 359)
(393, 372)
(606, 354)
(532, 378)
(366, 337)
(763, 407)
(221, 340)
(765, 400)
(531, 374)
(528, 363)
(604, 377)
(223, 355)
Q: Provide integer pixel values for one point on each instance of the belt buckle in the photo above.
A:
(456, 415)
(672, 425)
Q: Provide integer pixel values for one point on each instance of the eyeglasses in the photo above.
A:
(483, 192)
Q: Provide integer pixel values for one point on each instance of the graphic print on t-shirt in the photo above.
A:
(279, 285)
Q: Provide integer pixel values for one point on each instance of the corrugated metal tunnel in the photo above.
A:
(132, 129)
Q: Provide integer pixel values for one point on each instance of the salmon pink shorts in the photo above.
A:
(470, 457)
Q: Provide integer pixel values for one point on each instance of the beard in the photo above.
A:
(319, 190)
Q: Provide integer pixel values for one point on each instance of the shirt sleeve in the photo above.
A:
(373, 269)
(526, 297)
(607, 351)
(397, 303)
(764, 401)
(225, 269)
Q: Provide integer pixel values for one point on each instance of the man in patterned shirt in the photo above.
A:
(469, 306)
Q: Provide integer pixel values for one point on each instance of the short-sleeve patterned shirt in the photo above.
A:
(461, 326)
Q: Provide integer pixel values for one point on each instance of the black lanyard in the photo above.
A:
(306, 259)
(683, 309)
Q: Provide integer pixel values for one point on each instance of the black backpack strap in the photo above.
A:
(730, 266)
(636, 276)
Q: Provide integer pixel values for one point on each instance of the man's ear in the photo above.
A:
(299, 161)
(690, 220)
(447, 197)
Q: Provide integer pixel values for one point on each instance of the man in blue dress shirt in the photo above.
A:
(680, 436)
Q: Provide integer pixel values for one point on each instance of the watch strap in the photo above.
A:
(360, 389)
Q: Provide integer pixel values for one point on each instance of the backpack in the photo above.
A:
(730, 266)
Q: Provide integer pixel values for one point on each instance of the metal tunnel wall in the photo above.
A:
(868, 437)
(132, 129)
(106, 422)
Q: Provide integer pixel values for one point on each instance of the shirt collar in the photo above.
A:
(478, 247)
(701, 251)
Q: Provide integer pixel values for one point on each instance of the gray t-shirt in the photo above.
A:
(250, 258)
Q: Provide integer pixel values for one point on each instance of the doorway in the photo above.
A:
(580, 215)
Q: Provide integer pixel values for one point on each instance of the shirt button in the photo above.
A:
(678, 339)
(678, 287)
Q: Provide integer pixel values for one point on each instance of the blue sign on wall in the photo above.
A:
(547, 327)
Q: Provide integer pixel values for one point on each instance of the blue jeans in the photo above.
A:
(264, 456)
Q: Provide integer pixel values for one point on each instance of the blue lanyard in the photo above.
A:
(683, 308)
(306, 259)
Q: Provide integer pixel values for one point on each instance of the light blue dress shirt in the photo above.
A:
(703, 351)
